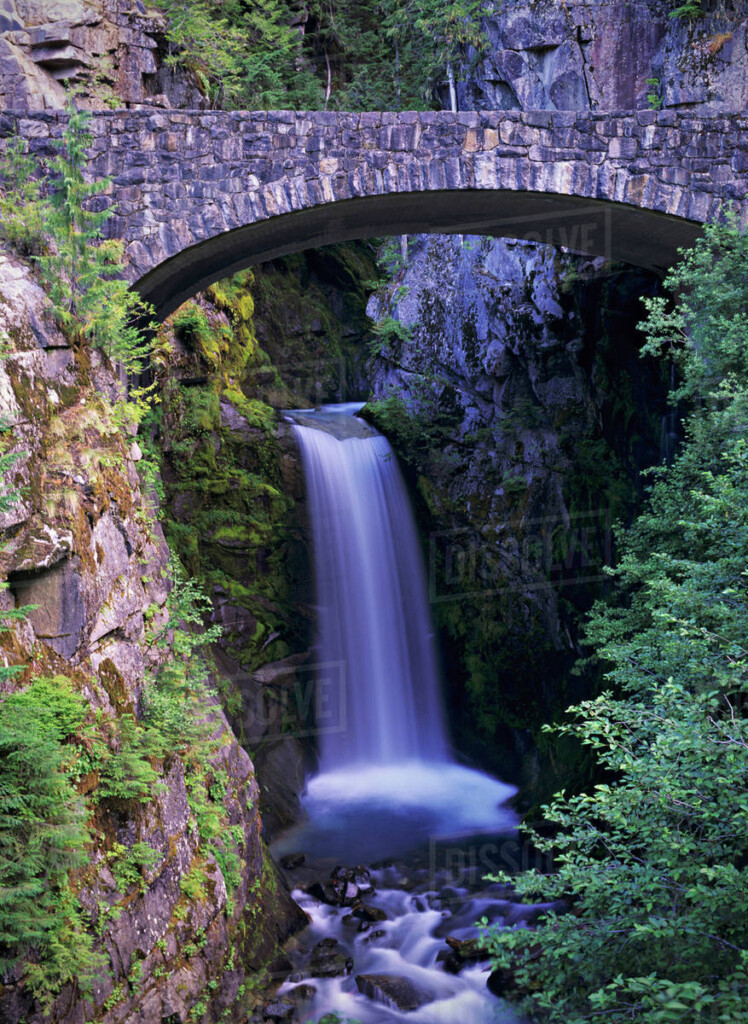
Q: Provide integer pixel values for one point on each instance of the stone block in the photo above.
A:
(623, 148)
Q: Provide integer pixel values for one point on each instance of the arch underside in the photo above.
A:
(595, 227)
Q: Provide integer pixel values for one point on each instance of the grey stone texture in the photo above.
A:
(183, 178)
(110, 49)
(608, 55)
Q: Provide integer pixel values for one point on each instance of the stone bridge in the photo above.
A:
(201, 195)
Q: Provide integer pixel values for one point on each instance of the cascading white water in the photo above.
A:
(387, 779)
(388, 785)
(376, 648)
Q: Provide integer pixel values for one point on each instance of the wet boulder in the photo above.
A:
(368, 913)
(329, 960)
(392, 990)
(321, 892)
(280, 1010)
(461, 952)
(349, 884)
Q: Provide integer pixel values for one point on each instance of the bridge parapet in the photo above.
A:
(262, 182)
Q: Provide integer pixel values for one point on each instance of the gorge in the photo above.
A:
(241, 814)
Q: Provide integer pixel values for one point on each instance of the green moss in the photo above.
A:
(258, 414)
(200, 411)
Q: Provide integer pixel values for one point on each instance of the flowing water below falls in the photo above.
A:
(388, 792)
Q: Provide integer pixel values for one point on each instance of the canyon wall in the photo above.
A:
(203, 918)
(520, 366)
(111, 51)
(605, 55)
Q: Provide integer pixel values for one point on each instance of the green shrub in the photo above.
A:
(43, 836)
(190, 324)
(129, 775)
(127, 864)
(23, 212)
(655, 858)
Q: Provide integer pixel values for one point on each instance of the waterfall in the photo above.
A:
(387, 782)
(376, 653)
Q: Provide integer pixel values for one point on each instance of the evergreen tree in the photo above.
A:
(202, 41)
(273, 70)
(440, 32)
(372, 55)
(82, 270)
(23, 211)
(655, 859)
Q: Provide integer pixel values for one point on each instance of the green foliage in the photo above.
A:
(51, 212)
(705, 334)
(9, 496)
(43, 836)
(201, 40)
(388, 334)
(654, 96)
(193, 884)
(655, 858)
(187, 605)
(129, 775)
(127, 864)
(178, 717)
(82, 271)
(394, 54)
(23, 211)
(372, 55)
(442, 30)
(688, 11)
(421, 425)
(242, 54)
(272, 72)
(191, 324)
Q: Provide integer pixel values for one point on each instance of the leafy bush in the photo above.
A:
(127, 864)
(655, 859)
(129, 775)
(190, 323)
(364, 56)
(187, 604)
(688, 11)
(387, 335)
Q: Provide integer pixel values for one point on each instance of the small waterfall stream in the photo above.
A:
(389, 790)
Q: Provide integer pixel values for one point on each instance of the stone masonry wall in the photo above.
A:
(179, 178)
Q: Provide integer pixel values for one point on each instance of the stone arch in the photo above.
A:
(595, 227)
(200, 194)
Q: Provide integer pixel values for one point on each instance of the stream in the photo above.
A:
(391, 858)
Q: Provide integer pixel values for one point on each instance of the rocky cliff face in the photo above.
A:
(200, 919)
(606, 55)
(110, 50)
(519, 365)
(512, 388)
